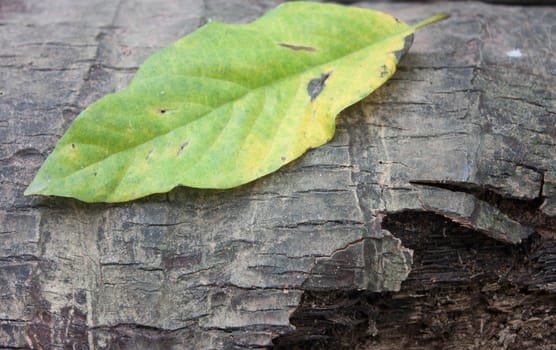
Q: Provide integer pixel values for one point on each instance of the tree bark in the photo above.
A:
(427, 222)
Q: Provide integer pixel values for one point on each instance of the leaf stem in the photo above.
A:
(436, 18)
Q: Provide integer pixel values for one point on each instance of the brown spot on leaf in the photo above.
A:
(73, 145)
(316, 85)
(283, 158)
(182, 147)
(384, 71)
(297, 47)
(162, 111)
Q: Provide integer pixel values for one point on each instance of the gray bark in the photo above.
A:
(463, 135)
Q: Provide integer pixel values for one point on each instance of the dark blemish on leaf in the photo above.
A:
(73, 145)
(283, 158)
(384, 71)
(298, 47)
(315, 86)
(95, 174)
(162, 111)
(397, 20)
(406, 45)
(182, 147)
(149, 155)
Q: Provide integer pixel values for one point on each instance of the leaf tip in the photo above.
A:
(436, 18)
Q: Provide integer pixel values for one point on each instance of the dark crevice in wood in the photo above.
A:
(524, 211)
(465, 290)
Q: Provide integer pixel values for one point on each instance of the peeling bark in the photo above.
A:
(427, 222)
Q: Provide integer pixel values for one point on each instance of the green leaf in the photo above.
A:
(227, 104)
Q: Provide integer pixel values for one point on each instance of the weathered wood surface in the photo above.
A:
(464, 134)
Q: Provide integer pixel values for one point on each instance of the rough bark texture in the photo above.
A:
(444, 179)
